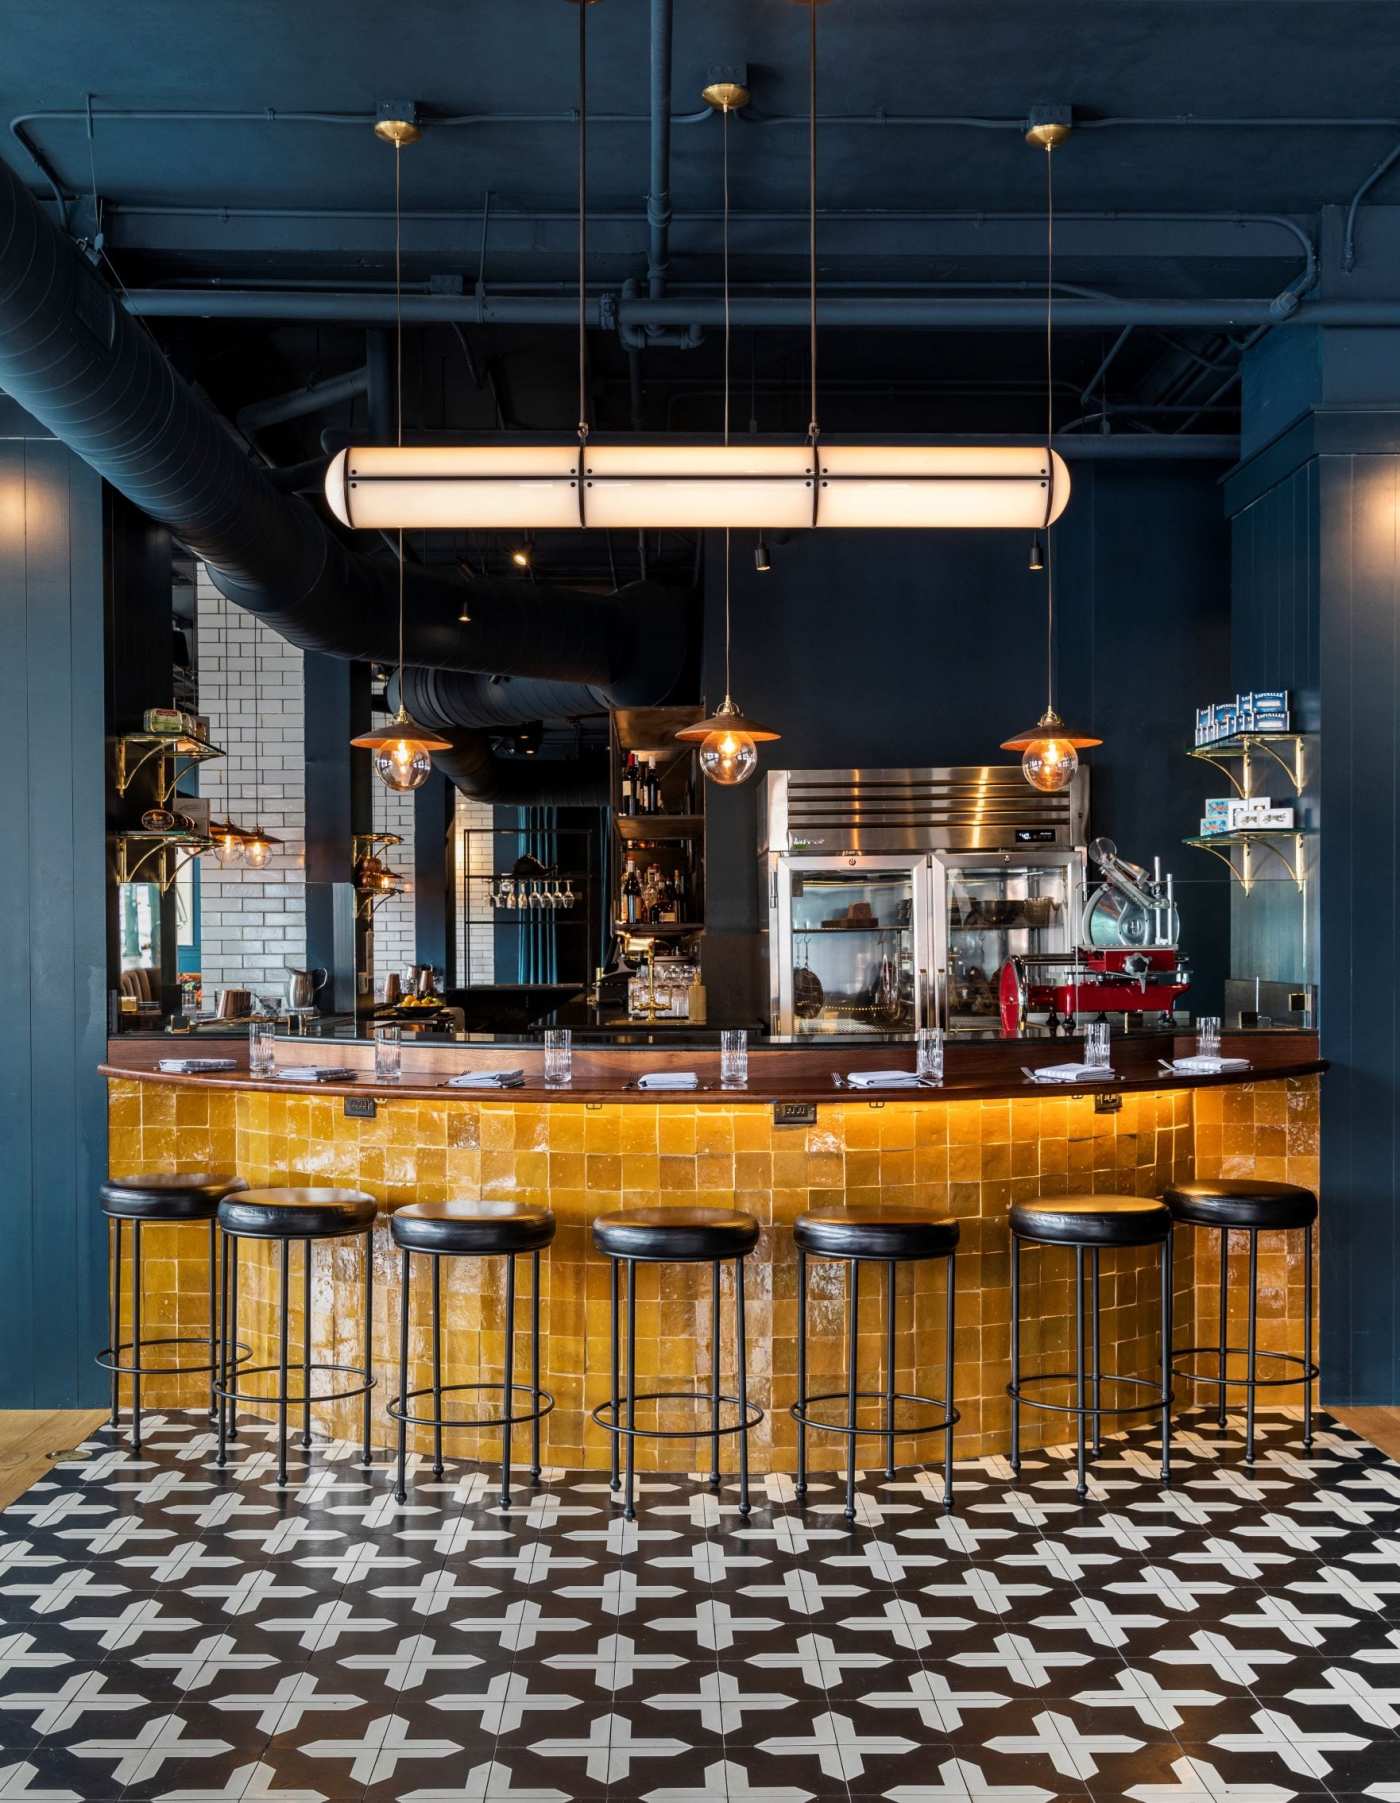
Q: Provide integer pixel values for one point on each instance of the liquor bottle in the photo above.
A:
(628, 792)
(669, 905)
(653, 787)
(631, 894)
(678, 889)
(651, 896)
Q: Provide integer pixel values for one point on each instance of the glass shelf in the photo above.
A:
(157, 846)
(184, 750)
(1240, 747)
(1220, 845)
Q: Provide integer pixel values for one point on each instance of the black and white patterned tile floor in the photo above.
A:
(175, 1633)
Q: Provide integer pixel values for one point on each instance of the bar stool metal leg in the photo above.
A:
(615, 1440)
(306, 1344)
(1015, 1353)
(1081, 1488)
(1307, 1339)
(1167, 1360)
(286, 1251)
(215, 1344)
(223, 1346)
(950, 1343)
(535, 1467)
(401, 1487)
(801, 1368)
(853, 1316)
(630, 1509)
(741, 1354)
(231, 1253)
(508, 1410)
(1222, 1413)
(889, 1369)
(1252, 1345)
(715, 1347)
(135, 1334)
(116, 1317)
(369, 1341)
(1098, 1354)
(437, 1365)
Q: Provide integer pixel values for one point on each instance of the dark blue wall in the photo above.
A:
(53, 1140)
(929, 648)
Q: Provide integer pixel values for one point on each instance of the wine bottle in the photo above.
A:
(631, 894)
(628, 793)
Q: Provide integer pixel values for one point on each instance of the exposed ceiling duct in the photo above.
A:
(76, 360)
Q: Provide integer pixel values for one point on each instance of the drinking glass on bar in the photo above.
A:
(1207, 1035)
(558, 1058)
(388, 1055)
(1096, 1044)
(733, 1058)
(928, 1050)
(260, 1060)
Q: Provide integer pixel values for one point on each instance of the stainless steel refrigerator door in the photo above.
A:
(991, 905)
(850, 944)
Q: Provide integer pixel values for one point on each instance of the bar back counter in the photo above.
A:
(987, 1138)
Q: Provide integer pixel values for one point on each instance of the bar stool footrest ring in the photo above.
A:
(1157, 1401)
(106, 1358)
(706, 1432)
(950, 1417)
(225, 1393)
(394, 1407)
(1306, 1373)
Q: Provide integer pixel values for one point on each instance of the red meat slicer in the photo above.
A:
(1127, 960)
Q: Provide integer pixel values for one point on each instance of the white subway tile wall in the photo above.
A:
(476, 946)
(252, 922)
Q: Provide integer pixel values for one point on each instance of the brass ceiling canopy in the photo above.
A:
(397, 123)
(1048, 135)
(726, 96)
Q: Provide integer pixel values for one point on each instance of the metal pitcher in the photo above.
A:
(303, 986)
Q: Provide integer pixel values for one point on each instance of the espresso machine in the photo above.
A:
(1127, 960)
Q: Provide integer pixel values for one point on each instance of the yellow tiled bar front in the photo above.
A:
(971, 1159)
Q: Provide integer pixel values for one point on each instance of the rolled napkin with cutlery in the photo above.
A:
(1201, 1065)
(511, 1079)
(315, 1073)
(668, 1080)
(1071, 1073)
(884, 1079)
(189, 1066)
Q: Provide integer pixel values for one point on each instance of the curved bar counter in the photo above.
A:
(989, 1136)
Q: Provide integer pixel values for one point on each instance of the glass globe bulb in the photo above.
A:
(228, 849)
(402, 765)
(1049, 764)
(257, 852)
(728, 757)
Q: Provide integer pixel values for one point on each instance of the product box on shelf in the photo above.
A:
(1261, 710)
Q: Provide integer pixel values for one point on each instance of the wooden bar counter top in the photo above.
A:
(989, 1136)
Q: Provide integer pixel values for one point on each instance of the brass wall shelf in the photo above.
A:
(164, 847)
(1240, 749)
(1245, 842)
(134, 750)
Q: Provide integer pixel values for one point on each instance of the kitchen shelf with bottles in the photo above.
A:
(658, 820)
(1238, 758)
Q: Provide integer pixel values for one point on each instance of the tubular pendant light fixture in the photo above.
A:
(1049, 751)
(783, 487)
(402, 749)
(728, 741)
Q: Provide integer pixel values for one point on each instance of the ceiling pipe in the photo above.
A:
(684, 338)
(298, 402)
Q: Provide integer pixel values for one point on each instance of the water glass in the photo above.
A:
(558, 1058)
(733, 1058)
(928, 1046)
(260, 1060)
(388, 1055)
(1096, 1044)
(1207, 1035)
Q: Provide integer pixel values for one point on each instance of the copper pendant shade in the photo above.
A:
(1049, 726)
(727, 718)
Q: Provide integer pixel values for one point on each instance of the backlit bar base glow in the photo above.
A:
(383, 487)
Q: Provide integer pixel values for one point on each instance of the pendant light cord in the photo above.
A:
(724, 139)
(813, 430)
(1049, 424)
(398, 377)
(583, 6)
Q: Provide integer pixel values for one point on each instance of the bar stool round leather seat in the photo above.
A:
(676, 1233)
(1242, 1202)
(167, 1198)
(858, 1231)
(465, 1228)
(713, 1236)
(1249, 1205)
(1091, 1226)
(1092, 1220)
(284, 1216)
(860, 1234)
(471, 1229)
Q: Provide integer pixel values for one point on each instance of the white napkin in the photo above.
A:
(669, 1080)
(1070, 1073)
(883, 1079)
(503, 1079)
(314, 1073)
(1203, 1066)
(197, 1064)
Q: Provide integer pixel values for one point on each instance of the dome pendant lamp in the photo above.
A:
(780, 487)
(728, 742)
(402, 749)
(1049, 751)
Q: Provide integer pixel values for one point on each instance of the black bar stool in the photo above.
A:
(285, 1215)
(712, 1236)
(888, 1237)
(1092, 1225)
(1248, 1205)
(472, 1230)
(164, 1198)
